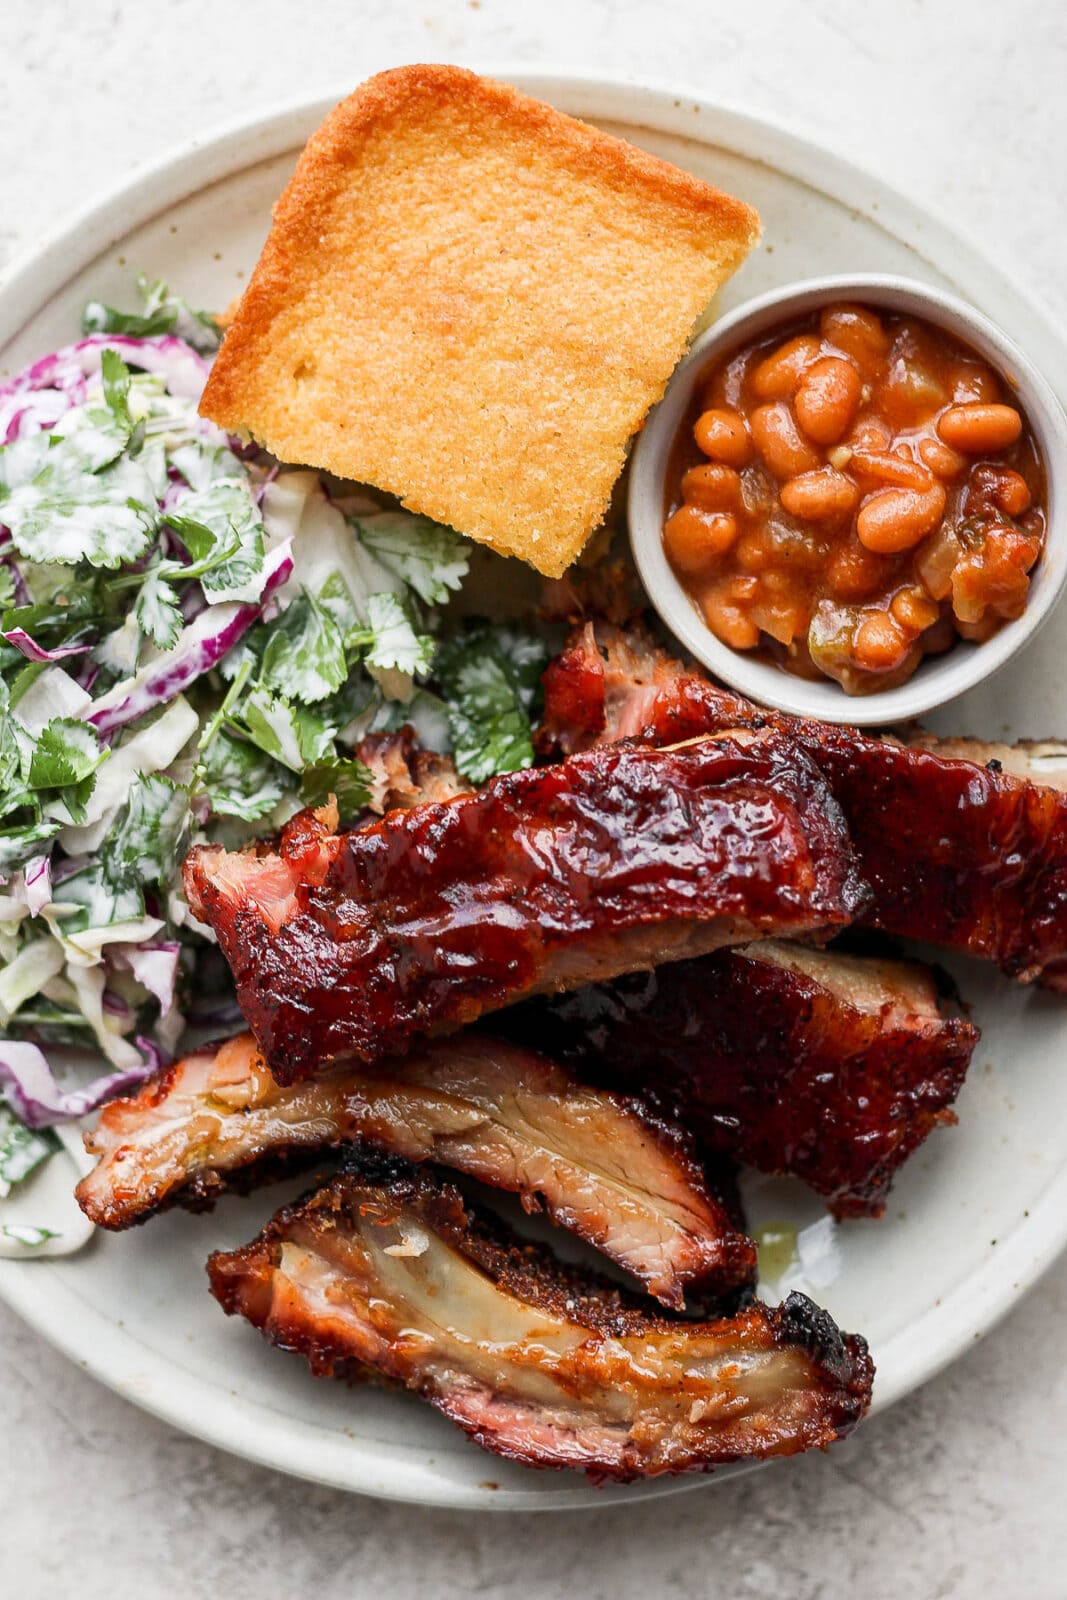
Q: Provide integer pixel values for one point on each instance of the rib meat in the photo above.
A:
(355, 945)
(403, 774)
(832, 1068)
(1040, 761)
(391, 1275)
(969, 856)
(602, 1167)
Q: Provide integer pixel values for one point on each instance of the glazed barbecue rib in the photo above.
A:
(615, 1176)
(969, 856)
(355, 945)
(389, 1274)
(825, 1066)
(832, 1068)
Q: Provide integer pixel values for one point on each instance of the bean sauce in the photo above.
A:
(854, 493)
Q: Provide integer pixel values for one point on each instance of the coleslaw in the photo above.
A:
(193, 641)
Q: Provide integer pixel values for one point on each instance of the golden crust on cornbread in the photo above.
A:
(471, 301)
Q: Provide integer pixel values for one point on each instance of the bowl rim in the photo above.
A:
(938, 679)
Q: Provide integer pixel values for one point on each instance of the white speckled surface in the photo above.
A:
(959, 1491)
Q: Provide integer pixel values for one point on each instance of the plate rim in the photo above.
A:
(27, 284)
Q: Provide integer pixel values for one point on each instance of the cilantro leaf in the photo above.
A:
(163, 313)
(336, 600)
(100, 318)
(66, 752)
(201, 464)
(527, 655)
(389, 638)
(73, 512)
(147, 837)
(305, 655)
(239, 780)
(142, 846)
(31, 1237)
(352, 702)
(349, 781)
(490, 693)
(222, 530)
(65, 619)
(22, 1149)
(10, 751)
(18, 844)
(115, 376)
(431, 558)
(101, 897)
(155, 610)
(293, 735)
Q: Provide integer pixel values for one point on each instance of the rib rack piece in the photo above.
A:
(389, 1274)
(617, 1177)
(973, 857)
(355, 945)
(832, 1068)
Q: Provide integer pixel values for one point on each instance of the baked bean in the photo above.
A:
(712, 487)
(741, 586)
(778, 583)
(914, 610)
(993, 579)
(979, 429)
(1008, 544)
(870, 433)
(897, 519)
(911, 391)
(1012, 493)
(777, 376)
(730, 623)
(942, 461)
(819, 496)
(973, 380)
(855, 573)
(857, 332)
(783, 621)
(753, 552)
(694, 539)
(828, 398)
(854, 495)
(722, 435)
(779, 442)
(887, 466)
(879, 643)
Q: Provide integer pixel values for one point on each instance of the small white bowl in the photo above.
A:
(937, 679)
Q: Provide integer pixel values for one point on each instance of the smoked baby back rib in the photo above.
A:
(388, 1273)
(355, 945)
(602, 1167)
(960, 854)
(828, 1067)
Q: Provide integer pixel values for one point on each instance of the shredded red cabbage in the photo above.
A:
(200, 647)
(37, 652)
(39, 1102)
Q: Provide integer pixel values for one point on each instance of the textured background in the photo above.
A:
(960, 1490)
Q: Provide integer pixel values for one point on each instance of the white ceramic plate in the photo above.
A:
(981, 1210)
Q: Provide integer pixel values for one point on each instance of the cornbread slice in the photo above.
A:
(471, 301)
